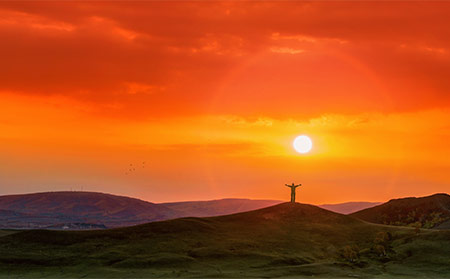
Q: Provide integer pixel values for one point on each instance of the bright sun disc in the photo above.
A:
(302, 144)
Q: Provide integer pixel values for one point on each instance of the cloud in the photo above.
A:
(229, 57)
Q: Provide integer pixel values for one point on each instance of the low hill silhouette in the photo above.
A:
(282, 240)
(66, 209)
(46, 209)
(427, 212)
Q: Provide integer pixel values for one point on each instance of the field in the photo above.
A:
(286, 240)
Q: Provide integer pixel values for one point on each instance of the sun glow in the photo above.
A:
(302, 144)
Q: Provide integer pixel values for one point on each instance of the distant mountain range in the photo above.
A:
(82, 210)
(427, 212)
(88, 210)
(43, 210)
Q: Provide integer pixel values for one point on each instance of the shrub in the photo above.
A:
(350, 253)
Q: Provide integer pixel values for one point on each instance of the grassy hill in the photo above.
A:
(427, 212)
(285, 240)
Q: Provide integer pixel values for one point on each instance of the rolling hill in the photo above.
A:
(285, 240)
(81, 210)
(86, 210)
(427, 212)
(51, 208)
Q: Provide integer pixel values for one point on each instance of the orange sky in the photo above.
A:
(211, 94)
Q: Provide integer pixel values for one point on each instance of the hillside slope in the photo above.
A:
(81, 210)
(426, 212)
(283, 240)
(45, 209)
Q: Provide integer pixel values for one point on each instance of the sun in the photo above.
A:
(302, 144)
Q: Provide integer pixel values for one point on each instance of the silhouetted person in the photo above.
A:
(293, 186)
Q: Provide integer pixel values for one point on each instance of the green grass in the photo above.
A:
(281, 241)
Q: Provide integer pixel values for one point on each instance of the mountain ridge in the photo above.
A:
(83, 207)
(93, 209)
(45, 209)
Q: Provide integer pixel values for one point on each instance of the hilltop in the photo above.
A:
(282, 240)
(427, 212)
